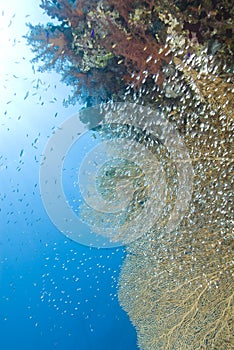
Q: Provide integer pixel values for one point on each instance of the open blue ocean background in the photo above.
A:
(54, 293)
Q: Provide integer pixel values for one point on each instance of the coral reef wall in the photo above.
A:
(178, 287)
(176, 57)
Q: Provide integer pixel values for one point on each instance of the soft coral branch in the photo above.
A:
(141, 53)
(64, 11)
(55, 43)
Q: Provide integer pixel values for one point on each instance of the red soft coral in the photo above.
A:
(140, 52)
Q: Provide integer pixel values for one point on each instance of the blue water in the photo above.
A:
(54, 293)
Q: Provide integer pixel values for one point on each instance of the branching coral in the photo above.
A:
(111, 37)
(178, 287)
(179, 293)
(127, 40)
(67, 11)
(141, 54)
(52, 43)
